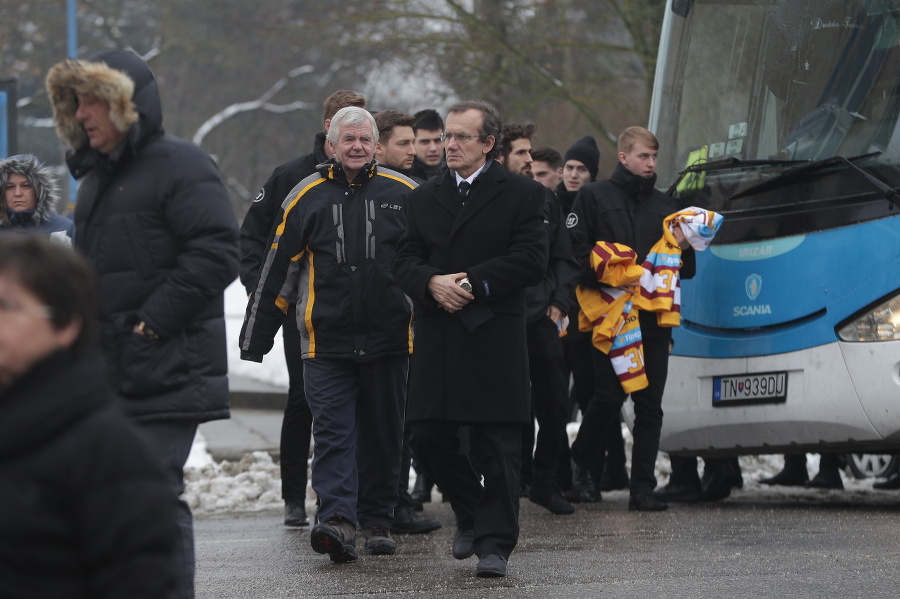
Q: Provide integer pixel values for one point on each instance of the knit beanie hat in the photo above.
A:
(585, 150)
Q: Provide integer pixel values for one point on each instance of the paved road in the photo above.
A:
(836, 544)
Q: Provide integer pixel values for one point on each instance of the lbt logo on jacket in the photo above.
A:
(571, 220)
(753, 285)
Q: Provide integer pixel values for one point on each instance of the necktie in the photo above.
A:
(464, 190)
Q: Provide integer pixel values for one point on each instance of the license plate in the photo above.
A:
(767, 387)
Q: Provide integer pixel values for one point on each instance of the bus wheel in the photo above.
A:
(869, 465)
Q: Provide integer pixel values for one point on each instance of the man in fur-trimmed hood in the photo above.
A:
(156, 222)
(29, 200)
(122, 80)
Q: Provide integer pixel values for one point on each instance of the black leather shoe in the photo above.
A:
(548, 496)
(892, 482)
(614, 480)
(583, 488)
(826, 480)
(645, 502)
(464, 543)
(677, 493)
(491, 566)
(721, 481)
(295, 513)
(407, 522)
(793, 475)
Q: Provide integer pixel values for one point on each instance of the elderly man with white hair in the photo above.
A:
(330, 252)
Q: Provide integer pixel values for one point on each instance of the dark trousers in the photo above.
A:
(171, 441)
(549, 399)
(606, 405)
(358, 410)
(457, 455)
(296, 427)
(577, 350)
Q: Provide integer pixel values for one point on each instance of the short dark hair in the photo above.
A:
(548, 155)
(428, 119)
(491, 123)
(341, 99)
(59, 276)
(386, 120)
(512, 132)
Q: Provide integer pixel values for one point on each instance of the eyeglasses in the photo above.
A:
(460, 137)
(9, 308)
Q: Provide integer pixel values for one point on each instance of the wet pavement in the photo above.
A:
(754, 544)
(737, 548)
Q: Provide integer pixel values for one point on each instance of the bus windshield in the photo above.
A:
(771, 85)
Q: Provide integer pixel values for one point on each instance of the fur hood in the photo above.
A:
(119, 77)
(46, 188)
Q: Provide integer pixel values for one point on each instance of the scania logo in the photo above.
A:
(571, 220)
(753, 285)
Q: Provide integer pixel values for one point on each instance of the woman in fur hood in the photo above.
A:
(30, 197)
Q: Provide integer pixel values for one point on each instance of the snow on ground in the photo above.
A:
(254, 482)
(272, 370)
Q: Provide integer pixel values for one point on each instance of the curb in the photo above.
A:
(255, 395)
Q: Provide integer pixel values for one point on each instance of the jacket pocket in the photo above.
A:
(149, 367)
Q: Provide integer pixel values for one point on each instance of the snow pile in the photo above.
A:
(252, 484)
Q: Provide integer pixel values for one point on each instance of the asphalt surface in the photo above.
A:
(737, 548)
(753, 544)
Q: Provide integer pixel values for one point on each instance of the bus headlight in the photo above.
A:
(882, 323)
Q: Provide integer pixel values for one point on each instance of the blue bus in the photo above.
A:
(784, 116)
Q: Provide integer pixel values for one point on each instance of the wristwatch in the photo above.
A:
(466, 285)
(147, 331)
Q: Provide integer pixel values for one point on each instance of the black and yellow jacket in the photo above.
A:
(331, 253)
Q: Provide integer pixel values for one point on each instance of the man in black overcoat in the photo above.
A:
(475, 241)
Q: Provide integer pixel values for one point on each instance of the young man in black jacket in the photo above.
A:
(627, 209)
(547, 304)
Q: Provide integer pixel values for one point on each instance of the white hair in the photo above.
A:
(350, 116)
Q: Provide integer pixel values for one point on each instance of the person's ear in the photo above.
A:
(489, 145)
(68, 334)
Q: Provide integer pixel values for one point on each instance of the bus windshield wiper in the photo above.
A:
(725, 164)
(791, 175)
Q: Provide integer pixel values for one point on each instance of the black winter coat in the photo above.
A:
(85, 510)
(260, 218)
(627, 209)
(155, 220)
(558, 285)
(498, 239)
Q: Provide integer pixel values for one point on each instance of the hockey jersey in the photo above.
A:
(610, 313)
